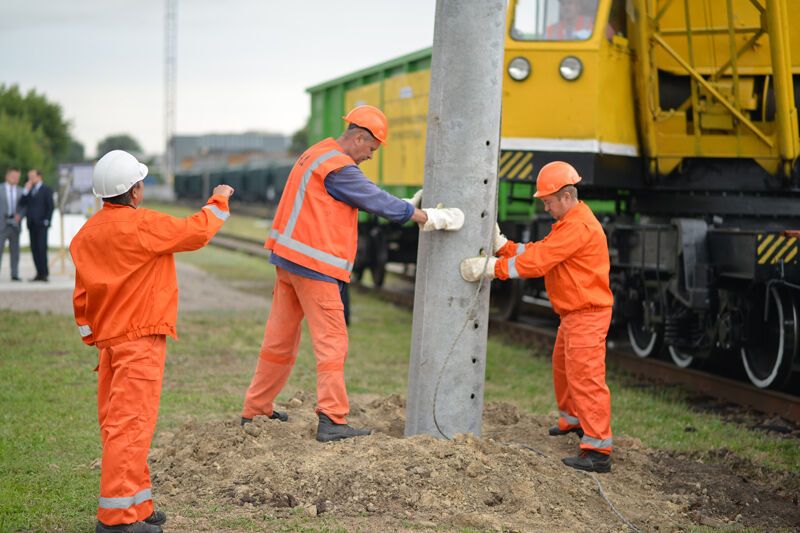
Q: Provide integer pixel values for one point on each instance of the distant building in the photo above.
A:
(227, 147)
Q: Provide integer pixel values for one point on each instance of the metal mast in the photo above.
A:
(448, 351)
(170, 84)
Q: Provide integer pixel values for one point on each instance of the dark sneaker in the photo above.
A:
(590, 461)
(328, 430)
(555, 431)
(157, 518)
(276, 415)
(136, 527)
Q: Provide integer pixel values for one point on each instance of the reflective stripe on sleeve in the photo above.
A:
(520, 248)
(85, 331)
(597, 443)
(126, 502)
(313, 253)
(219, 213)
(569, 419)
(301, 191)
(512, 268)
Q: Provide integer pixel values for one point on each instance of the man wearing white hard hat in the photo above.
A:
(126, 303)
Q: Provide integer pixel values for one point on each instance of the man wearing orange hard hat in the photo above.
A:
(573, 259)
(313, 241)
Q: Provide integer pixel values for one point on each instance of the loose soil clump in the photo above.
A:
(510, 479)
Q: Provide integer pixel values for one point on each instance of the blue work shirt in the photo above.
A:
(351, 186)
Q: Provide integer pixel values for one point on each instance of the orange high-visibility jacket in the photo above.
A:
(125, 281)
(560, 30)
(573, 258)
(312, 228)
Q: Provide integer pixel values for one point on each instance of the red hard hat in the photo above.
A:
(370, 118)
(553, 176)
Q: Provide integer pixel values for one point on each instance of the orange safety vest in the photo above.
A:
(558, 31)
(311, 227)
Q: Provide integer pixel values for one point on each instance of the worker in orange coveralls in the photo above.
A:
(313, 240)
(573, 258)
(126, 303)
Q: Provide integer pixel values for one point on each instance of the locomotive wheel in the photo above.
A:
(768, 356)
(380, 256)
(505, 299)
(681, 357)
(645, 340)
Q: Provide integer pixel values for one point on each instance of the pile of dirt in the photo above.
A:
(511, 479)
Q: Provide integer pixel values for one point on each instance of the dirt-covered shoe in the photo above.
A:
(590, 461)
(555, 431)
(328, 430)
(136, 527)
(276, 415)
(157, 518)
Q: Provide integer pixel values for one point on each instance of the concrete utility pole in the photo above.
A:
(448, 352)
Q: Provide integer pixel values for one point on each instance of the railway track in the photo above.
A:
(542, 336)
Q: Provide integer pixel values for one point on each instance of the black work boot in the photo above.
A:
(136, 527)
(555, 431)
(590, 461)
(157, 518)
(276, 415)
(328, 430)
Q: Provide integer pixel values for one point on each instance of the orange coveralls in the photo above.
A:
(126, 303)
(573, 258)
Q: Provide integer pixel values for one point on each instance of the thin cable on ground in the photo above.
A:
(611, 505)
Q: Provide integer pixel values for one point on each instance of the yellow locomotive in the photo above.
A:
(681, 117)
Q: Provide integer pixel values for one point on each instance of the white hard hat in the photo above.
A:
(115, 173)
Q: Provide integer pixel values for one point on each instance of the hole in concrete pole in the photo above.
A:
(475, 325)
(488, 143)
(474, 360)
(483, 214)
(472, 396)
(485, 182)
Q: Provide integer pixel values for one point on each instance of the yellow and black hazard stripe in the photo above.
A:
(774, 247)
(516, 165)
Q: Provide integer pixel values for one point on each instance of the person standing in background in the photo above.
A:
(10, 217)
(37, 200)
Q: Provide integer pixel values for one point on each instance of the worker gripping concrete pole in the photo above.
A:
(313, 241)
(573, 259)
(448, 351)
(126, 303)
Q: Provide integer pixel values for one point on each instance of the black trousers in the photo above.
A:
(38, 233)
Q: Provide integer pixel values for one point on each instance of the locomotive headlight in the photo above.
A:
(570, 68)
(519, 68)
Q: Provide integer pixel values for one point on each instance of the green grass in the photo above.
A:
(49, 435)
(238, 224)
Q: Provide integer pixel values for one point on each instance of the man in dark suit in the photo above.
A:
(37, 200)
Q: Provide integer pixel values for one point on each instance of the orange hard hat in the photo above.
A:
(370, 118)
(553, 176)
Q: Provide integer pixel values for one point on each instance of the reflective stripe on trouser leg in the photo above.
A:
(585, 335)
(278, 350)
(128, 393)
(324, 311)
(560, 387)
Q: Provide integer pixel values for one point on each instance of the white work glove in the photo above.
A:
(475, 268)
(415, 200)
(499, 240)
(446, 218)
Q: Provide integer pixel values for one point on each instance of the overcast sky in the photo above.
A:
(242, 64)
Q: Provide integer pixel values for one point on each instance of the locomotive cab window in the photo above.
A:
(554, 20)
